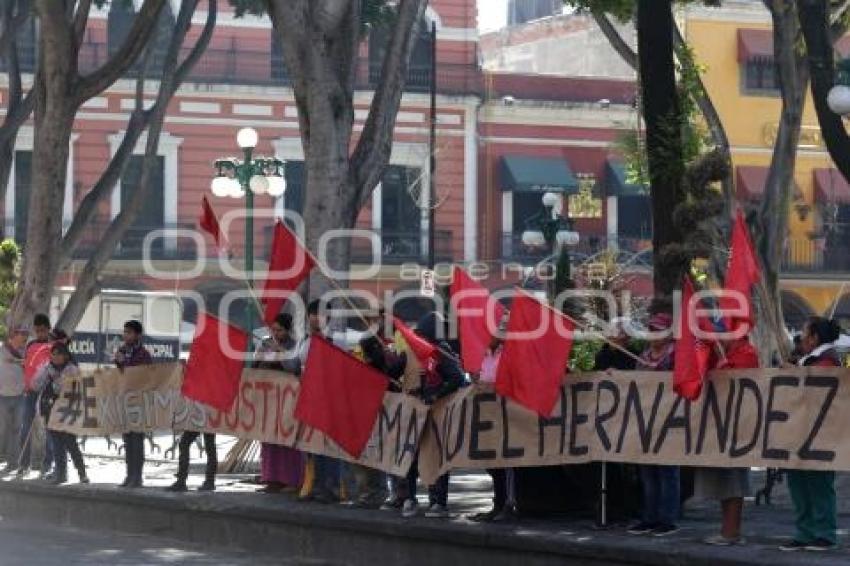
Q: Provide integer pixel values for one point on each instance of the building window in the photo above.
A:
(23, 186)
(120, 21)
(152, 213)
(634, 217)
(761, 76)
(401, 218)
(419, 70)
(585, 204)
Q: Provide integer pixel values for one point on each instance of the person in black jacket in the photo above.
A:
(443, 380)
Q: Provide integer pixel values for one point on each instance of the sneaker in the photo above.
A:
(393, 504)
(437, 511)
(793, 546)
(177, 487)
(208, 485)
(410, 509)
(59, 480)
(665, 530)
(821, 545)
(485, 517)
(84, 479)
(507, 515)
(720, 540)
(642, 528)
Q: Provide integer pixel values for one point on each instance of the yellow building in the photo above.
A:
(735, 44)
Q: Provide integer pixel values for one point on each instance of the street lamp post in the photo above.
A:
(550, 228)
(247, 177)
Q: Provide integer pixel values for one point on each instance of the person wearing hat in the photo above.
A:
(12, 396)
(504, 487)
(660, 484)
(49, 382)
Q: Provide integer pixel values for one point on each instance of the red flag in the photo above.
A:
(340, 396)
(425, 352)
(743, 270)
(692, 355)
(212, 376)
(209, 223)
(37, 356)
(289, 264)
(473, 303)
(531, 368)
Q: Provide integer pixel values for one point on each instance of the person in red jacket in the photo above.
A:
(728, 485)
(813, 492)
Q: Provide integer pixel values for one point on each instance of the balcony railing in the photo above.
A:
(132, 245)
(813, 257)
(401, 247)
(235, 65)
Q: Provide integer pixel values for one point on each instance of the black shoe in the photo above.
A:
(642, 528)
(134, 484)
(59, 480)
(485, 517)
(793, 546)
(664, 530)
(506, 515)
(177, 487)
(208, 485)
(821, 545)
(84, 479)
(126, 483)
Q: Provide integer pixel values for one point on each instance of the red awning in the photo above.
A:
(754, 44)
(750, 182)
(831, 187)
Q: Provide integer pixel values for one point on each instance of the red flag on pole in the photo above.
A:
(289, 265)
(473, 305)
(340, 396)
(535, 355)
(214, 369)
(743, 270)
(425, 352)
(692, 355)
(208, 222)
(37, 356)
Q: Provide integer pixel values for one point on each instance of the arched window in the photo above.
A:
(419, 72)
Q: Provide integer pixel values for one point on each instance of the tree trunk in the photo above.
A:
(773, 215)
(817, 31)
(663, 137)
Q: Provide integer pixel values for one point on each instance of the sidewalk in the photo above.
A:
(236, 517)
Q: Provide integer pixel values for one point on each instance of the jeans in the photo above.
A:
(327, 476)
(64, 444)
(813, 495)
(11, 418)
(438, 494)
(661, 494)
(186, 440)
(504, 488)
(134, 455)
(29, 411)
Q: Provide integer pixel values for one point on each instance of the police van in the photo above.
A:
(100, 332)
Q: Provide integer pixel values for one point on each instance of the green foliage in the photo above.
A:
(583, 355)
(10, 256)
(372, 12)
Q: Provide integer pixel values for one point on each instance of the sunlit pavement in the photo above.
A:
(765, 526)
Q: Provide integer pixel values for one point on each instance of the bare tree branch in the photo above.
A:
(373, 148)
(615, 39)
(81, 19)
(138, 36)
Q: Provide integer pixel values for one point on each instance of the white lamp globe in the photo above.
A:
(277, 186)
(259, 185)
(567, 238)
(220, 186)
(551, 199)
(235, 189)
(247, 138)
(533, 238)
(838, 100)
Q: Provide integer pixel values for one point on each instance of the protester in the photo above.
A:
(729, 486)
(184, 449)
(504, 484)
(12, 396)
(133, 353)
(612, 357)
(440, 381)
(324, 486)
(813, 492)
(281, 467)
(409, 373)
(49, 382)
(41, 331)
(660, 484)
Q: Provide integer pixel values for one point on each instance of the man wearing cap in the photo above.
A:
(12, 396)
